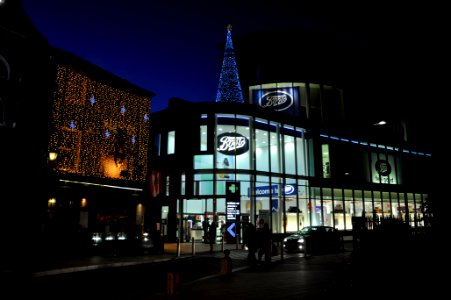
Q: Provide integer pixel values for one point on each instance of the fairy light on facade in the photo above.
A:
(229, 89)
(99, 131)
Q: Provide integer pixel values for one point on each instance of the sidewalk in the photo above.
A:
(58, 265)
(291, 276)
(314, 277)
(285, 277)
(53, 266)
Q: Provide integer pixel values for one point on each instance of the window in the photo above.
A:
(203, 162)
(289, 150)
(157, 145)
(203, 184)
(171, 142)
(232, 144)
(183, 184)
(262, 145)
(274, 141)
(300, 153)
(203, 137)
(325, 160)
(167, 190)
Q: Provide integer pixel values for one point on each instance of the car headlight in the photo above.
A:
(301, 240)
(285, 240)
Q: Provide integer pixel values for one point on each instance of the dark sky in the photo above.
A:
(172, 47)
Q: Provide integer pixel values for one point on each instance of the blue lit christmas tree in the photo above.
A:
(229, 89)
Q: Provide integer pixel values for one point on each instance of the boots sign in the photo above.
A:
(232, 143)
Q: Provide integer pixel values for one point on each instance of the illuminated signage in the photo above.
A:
(277, 100)
(232, 210)
(232, 200)
(232, 143)
(273, 190)
(383, 167)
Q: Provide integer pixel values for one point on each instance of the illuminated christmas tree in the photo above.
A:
(229, 89)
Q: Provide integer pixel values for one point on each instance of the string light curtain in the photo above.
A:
(97, 129)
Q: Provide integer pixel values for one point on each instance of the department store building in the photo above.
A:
(236, 163)
(287, 150)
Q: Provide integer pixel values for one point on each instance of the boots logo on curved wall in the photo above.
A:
(230, 143)
(383, 167)
(277, 100)
(382, 170)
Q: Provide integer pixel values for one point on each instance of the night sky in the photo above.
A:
(173, 48)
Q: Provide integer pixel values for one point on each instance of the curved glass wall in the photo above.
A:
(259, 155)
(270, 162)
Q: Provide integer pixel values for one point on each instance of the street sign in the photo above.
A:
(230, 229)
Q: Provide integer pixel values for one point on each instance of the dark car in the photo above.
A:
(314, 239)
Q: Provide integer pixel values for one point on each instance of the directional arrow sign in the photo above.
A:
(230, 230)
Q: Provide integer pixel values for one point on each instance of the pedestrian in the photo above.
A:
(223, 231)
(263, 236)
(205, 225)
(251, 243)
(212, 235)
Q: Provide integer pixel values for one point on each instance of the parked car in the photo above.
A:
(314, 239)
(122, 243)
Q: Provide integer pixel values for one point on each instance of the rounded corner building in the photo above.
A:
(284, 153)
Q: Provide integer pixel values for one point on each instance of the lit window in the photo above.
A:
(171, 142)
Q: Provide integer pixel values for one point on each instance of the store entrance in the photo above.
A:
(284, 218)
(197, 216)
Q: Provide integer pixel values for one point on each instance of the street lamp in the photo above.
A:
(380, 123)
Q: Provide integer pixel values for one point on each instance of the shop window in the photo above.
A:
(203, 162)
(300, 155)
(289, 155)
(325, 160)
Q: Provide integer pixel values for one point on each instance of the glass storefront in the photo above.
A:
(271, 163)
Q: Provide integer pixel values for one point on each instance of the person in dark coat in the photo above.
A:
(212, 235)
(205, 226)
(251, 242)
(263, 236)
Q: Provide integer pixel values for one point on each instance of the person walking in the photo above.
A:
(263, 236)
(212, 235)
(251, 243)
(205, 225)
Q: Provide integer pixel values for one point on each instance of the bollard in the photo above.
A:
(172, 283)
(178, 247)
(268, 251)
(226, 265)
(237, 241)
(193, 247)
(222, 243)
(281, 251)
